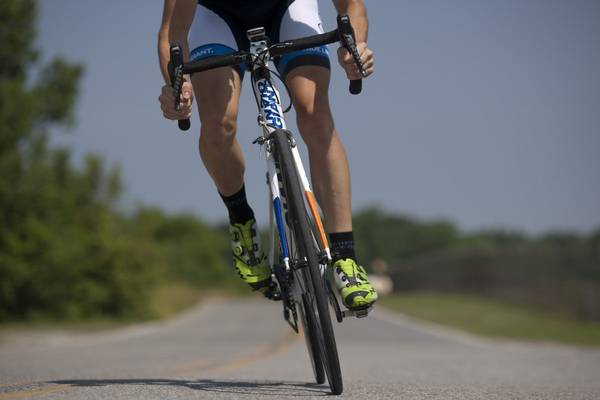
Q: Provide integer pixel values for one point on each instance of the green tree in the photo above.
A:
(391, 237)
(63, 252)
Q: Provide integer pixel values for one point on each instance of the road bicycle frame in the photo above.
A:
(270, 119)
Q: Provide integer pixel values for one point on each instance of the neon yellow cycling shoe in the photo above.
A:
(353, 284)
(248, 258)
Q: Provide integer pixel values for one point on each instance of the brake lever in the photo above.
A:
(175, 68)
(349, 42)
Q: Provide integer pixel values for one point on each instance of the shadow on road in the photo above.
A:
(254, 388)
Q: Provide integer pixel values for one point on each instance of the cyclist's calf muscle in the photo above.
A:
(328, 162)
(217, 98)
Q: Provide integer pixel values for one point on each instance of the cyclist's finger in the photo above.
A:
(166, 98)
(344, 56)
(354, 69)
(185, 104)
(186, 98)
(354, 76)
(176, 115)
(167, 91)
(169, 115)
(164, 103)
(368, 64)
(167, 104)
(183, 113)
(184, 109)
(168, 109)
(186, 93)
(366, 56)
(352, 73)
(369, 70)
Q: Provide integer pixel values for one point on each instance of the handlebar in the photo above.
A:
(175, 68)
(216, 62)
(307, 42)
(349, 42)
(344, 34)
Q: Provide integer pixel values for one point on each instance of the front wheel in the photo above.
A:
(312, 342)
(316, 304)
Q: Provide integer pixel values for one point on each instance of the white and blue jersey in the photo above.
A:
(220, 27)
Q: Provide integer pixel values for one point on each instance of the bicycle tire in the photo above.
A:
(318, 303)
(312, 344)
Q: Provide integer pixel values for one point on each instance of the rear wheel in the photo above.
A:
(315, 298)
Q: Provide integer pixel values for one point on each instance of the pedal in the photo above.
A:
(357, 313)
(339, 314)
(274, 295)
(290, 314)
(291, 320)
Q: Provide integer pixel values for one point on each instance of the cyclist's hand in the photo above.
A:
(167, 102)
(347, 61)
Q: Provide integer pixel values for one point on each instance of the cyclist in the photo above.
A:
(206, 28)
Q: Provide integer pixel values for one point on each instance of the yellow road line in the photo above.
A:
(201, 365)
(17, 383)
(34, 392)
(265, 351)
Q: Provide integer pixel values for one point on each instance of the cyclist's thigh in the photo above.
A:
(309, 87)
(299, 20)
(217, 91)
(217, 94)
(306, 71)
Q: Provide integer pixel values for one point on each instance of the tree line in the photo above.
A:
(555, 272)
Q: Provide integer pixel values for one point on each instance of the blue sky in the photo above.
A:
(484, 112)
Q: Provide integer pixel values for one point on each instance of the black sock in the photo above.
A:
(238, 207)
(342, 245)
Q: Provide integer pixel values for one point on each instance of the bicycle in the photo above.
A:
(299, 251)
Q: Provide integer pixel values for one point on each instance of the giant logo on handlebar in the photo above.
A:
(269, 104)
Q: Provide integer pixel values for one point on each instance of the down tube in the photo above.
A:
(277, 209)
(312, 203)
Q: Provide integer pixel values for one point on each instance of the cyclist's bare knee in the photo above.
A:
(217, 94)
(309, 87)
(217, 133)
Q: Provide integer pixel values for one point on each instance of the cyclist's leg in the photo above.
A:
(331, 179)
(307, 75)
(217, 95)
(328, 162)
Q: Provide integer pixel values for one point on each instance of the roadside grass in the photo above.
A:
(494, 318)
(170, 298)
(174, 297)
(167, 300)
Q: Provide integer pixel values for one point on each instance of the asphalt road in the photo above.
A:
(232, 349)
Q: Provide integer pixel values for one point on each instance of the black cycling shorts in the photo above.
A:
(220, 26)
